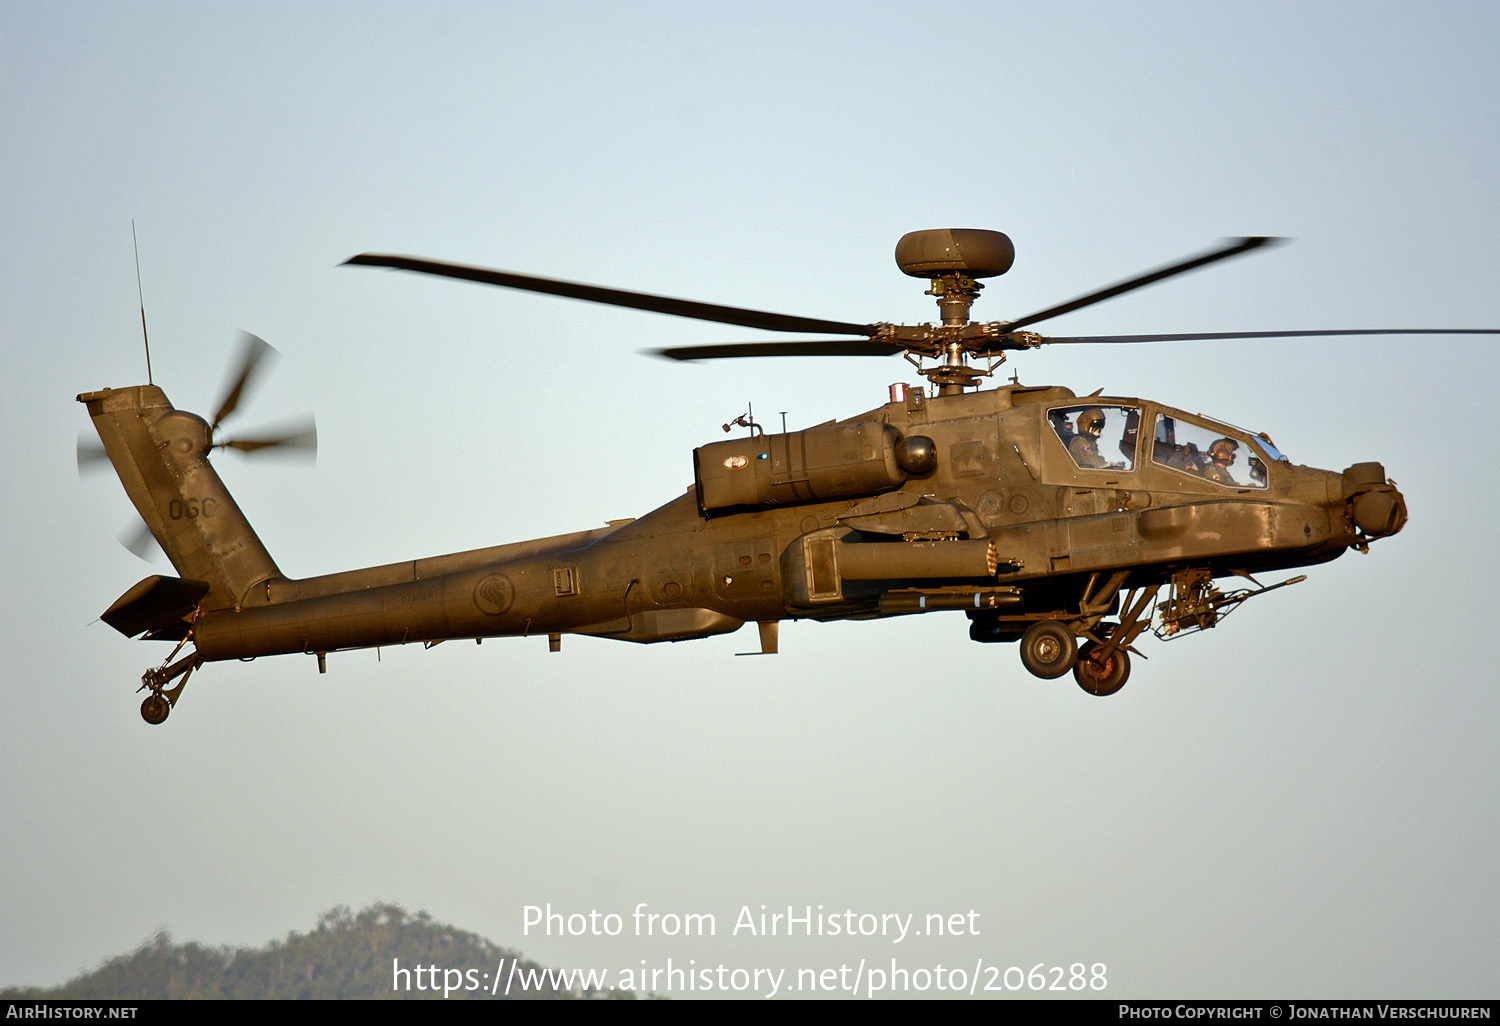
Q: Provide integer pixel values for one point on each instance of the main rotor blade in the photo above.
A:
(252, 352)
(810, 347)
(615, 297)
(1215, 335)
(1234, 248)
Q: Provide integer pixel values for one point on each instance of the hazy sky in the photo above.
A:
(1299, 803)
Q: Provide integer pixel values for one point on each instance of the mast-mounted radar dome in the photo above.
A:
(975, 252)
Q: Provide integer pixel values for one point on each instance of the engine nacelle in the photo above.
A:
(831, 461)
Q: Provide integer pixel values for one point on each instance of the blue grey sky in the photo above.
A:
(1297, 804)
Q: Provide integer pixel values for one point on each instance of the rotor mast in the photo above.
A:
(953, 259)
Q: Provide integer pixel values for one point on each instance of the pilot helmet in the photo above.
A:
(1091, 421)
(1223, 449)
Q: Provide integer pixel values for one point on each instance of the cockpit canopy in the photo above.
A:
(1106, 435)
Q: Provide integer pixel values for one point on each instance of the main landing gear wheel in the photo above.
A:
(1101, 676)
(1048, 649)
(154, 709)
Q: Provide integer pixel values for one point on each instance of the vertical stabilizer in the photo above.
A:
(161, 456)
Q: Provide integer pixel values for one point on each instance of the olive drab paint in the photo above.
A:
(1047, 519)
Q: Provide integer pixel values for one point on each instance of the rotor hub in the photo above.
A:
(953, 259)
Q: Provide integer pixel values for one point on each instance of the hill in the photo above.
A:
(382, 952)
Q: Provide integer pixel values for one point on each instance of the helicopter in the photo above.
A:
(1065, 525)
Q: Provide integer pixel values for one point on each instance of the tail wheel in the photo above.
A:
(1101, 676)
(1048, 649)
(154, 709)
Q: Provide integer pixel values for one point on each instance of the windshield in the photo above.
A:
(1212, 452)
(1271, 450)
(1261, 439)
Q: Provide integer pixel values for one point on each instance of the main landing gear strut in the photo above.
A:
(1049, 648)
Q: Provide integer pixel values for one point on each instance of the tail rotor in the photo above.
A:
(296, 438)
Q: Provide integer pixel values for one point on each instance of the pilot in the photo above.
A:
(1257, 472)
(1084, 446)
(1221, 454)
(1061, 425)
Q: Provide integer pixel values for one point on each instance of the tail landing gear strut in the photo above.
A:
(159, 703)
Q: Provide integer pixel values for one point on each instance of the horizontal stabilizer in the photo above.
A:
(158, 605)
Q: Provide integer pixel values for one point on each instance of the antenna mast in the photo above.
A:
(145, 338)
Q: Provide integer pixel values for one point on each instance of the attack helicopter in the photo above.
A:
(1066, 525)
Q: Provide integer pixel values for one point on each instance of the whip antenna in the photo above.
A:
(145, 338)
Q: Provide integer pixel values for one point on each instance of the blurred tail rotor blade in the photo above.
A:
(91, 455)
(253, 352)
(141, 543)
(299, 439)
